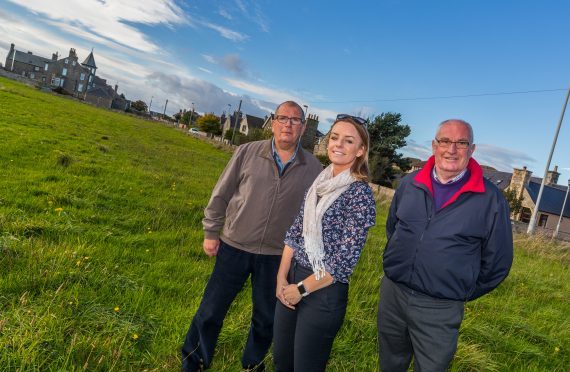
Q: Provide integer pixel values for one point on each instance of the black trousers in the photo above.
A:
(303, 338)
(233, 267)
(414, 324)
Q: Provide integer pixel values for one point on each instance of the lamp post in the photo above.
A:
(192, 116)
(561, 212)
(306, 110)
(532, 223)
(149, 106)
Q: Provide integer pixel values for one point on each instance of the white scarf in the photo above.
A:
(328, 189)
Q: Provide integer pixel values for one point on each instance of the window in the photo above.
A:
(82, 76)
(73, 63)
(36, 68)
(46, 67)
(64, 72)
(90, 78)
(66, 61)
(525, 215)
(61, 82)
(542, 220)
(43, 79)
(32, 75)
(80, 88)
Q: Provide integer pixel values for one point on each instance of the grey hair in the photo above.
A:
(466, 124)
(292, 104)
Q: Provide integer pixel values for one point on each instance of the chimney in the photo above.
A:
(519, 180)
(12, 46)
(552, 176)
(54, 56)
(29, 52)
(116, 88)
(72, 53)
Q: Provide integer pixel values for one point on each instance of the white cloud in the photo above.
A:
(106, 20)
(225, 32)
(224, 13)
(209, 58)
(205, 70)
(502, 159)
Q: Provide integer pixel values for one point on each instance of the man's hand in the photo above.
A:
(211, 246)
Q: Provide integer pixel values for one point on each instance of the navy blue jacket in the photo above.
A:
(460, 252)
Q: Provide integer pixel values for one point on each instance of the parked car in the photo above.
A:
(193, 131)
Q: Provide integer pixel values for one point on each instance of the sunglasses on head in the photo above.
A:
(357, 119)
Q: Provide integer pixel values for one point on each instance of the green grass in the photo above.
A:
(101, 211)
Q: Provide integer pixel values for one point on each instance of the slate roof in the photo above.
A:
(254, 121)
(551, 199)
(99, 91)
(500, 179)
(28, 58)
(90, 61)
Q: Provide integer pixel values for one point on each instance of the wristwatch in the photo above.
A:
(302, 289)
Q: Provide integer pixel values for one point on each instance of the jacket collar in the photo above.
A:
(266, 151)
(474, 183)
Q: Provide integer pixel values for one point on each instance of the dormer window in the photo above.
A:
(73, 63)
(66, 61)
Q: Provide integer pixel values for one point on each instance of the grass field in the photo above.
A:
(101, 266)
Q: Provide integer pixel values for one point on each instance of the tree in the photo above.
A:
(387, 135)
(209, 123)
(515, 204)
(139, 106)
(229, 134)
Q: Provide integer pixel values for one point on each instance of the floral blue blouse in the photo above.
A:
(345, 227)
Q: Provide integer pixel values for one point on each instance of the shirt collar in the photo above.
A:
(453, 180)
(277, 158)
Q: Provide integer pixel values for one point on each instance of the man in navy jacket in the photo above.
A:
(449, 241)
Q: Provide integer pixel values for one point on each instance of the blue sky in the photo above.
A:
(429, 61)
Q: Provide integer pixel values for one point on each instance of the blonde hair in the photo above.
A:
(359, 168)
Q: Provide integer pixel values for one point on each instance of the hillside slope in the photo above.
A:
(101, 265)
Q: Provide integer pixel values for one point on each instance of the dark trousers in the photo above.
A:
(414, 324)
(232, 268)
(303, 338)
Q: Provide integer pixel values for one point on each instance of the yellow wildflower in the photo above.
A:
(59, 210)
(116, 309)
(556, 349)
(135, 336)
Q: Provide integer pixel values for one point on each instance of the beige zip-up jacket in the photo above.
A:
(254, 206)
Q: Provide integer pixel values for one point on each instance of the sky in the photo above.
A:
(503, 66)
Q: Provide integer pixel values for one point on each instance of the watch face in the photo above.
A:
(302, 289)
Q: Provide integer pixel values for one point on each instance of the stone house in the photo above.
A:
(249, 122)
(71, 75)
(28, 65)
(551, 202)
(103, 95)
(66, 73)
(229, 122)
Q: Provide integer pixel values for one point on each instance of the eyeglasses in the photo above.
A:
(282, 119)
(445, 143)
(357, 119)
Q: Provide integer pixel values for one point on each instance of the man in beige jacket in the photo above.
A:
(253, 204)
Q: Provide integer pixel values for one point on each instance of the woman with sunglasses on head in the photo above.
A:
(321, 249)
